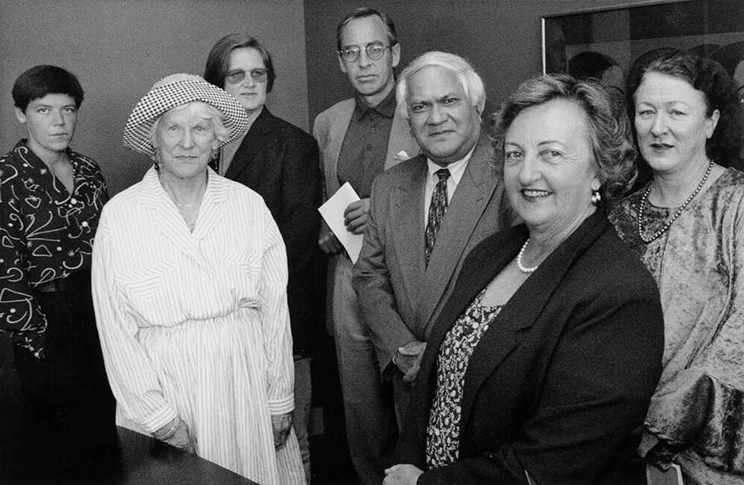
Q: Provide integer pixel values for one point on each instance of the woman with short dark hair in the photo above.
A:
(51, 200)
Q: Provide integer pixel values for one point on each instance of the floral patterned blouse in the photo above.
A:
(443, 431)
(698, 264)
(46, 233)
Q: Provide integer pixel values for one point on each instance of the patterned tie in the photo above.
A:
(436, 212)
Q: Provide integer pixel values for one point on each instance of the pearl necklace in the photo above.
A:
(668, 223)
(522, 267)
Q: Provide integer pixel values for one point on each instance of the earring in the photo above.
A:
(156, 160)
(596, 197)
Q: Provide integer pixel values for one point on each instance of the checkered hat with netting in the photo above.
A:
(175, 90)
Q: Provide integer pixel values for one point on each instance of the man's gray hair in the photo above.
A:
(471, 82)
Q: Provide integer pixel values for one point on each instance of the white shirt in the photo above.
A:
(456, 169)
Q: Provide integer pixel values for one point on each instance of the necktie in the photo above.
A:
(437, 208)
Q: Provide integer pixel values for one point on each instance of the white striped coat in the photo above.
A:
(196, 324)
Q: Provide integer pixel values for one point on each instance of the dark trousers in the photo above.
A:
(66, 429)
(10, 406)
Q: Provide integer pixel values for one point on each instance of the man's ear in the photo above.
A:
(341, 64)
(395, 53)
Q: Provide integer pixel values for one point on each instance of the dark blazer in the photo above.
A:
(399, 295)
(280, 162)
(563, 375)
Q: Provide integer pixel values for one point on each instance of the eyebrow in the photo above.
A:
(542, 143)
(450, 94)
(666, 103)
(547, 142)
(44, 105)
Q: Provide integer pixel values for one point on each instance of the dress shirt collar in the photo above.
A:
(456, 169)
(386, 107)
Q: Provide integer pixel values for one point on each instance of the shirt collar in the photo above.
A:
(456, 169)
(386, 107)
(33, 159)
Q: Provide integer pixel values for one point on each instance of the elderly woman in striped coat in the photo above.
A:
(189, 285)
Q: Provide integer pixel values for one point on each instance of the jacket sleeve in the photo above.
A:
(130, 372)
(320, 134)
(275, 319)
(373, 287)
(299, 224)
(299, 218)
(602, 374)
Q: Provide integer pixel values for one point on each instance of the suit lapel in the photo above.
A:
(407, 225)
(339, 125)
(251, 145)
(468, 203)
(482, 265)
(400, 140)
(525, 306)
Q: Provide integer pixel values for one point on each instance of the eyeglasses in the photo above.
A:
(374, 51)
(260, 75)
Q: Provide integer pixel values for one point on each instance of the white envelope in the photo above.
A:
(333, 213)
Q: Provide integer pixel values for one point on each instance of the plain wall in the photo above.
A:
(119, 48)
(501, 38)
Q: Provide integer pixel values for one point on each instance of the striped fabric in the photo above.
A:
(196, 324)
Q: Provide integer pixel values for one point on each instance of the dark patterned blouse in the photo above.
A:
(443, 431)
(46, 233)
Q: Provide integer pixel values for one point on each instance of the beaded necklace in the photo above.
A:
(668, 223)
(522, 267)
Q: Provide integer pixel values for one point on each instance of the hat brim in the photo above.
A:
(163, 98)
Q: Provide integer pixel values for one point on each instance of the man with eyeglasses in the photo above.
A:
(359, 138)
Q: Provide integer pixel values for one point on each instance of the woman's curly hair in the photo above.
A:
(609, 129)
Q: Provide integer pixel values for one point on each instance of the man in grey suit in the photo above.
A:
(360, 138)
(427, 213)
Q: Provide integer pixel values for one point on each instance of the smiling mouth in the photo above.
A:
(661, 146)
(535, 193)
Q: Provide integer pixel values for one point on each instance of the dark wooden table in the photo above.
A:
(145, 460)
(142, 460)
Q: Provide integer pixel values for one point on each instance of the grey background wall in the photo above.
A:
(119, 48)
(501, 38)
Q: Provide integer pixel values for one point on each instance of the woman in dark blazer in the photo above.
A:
(280, 162)
(543, 363)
